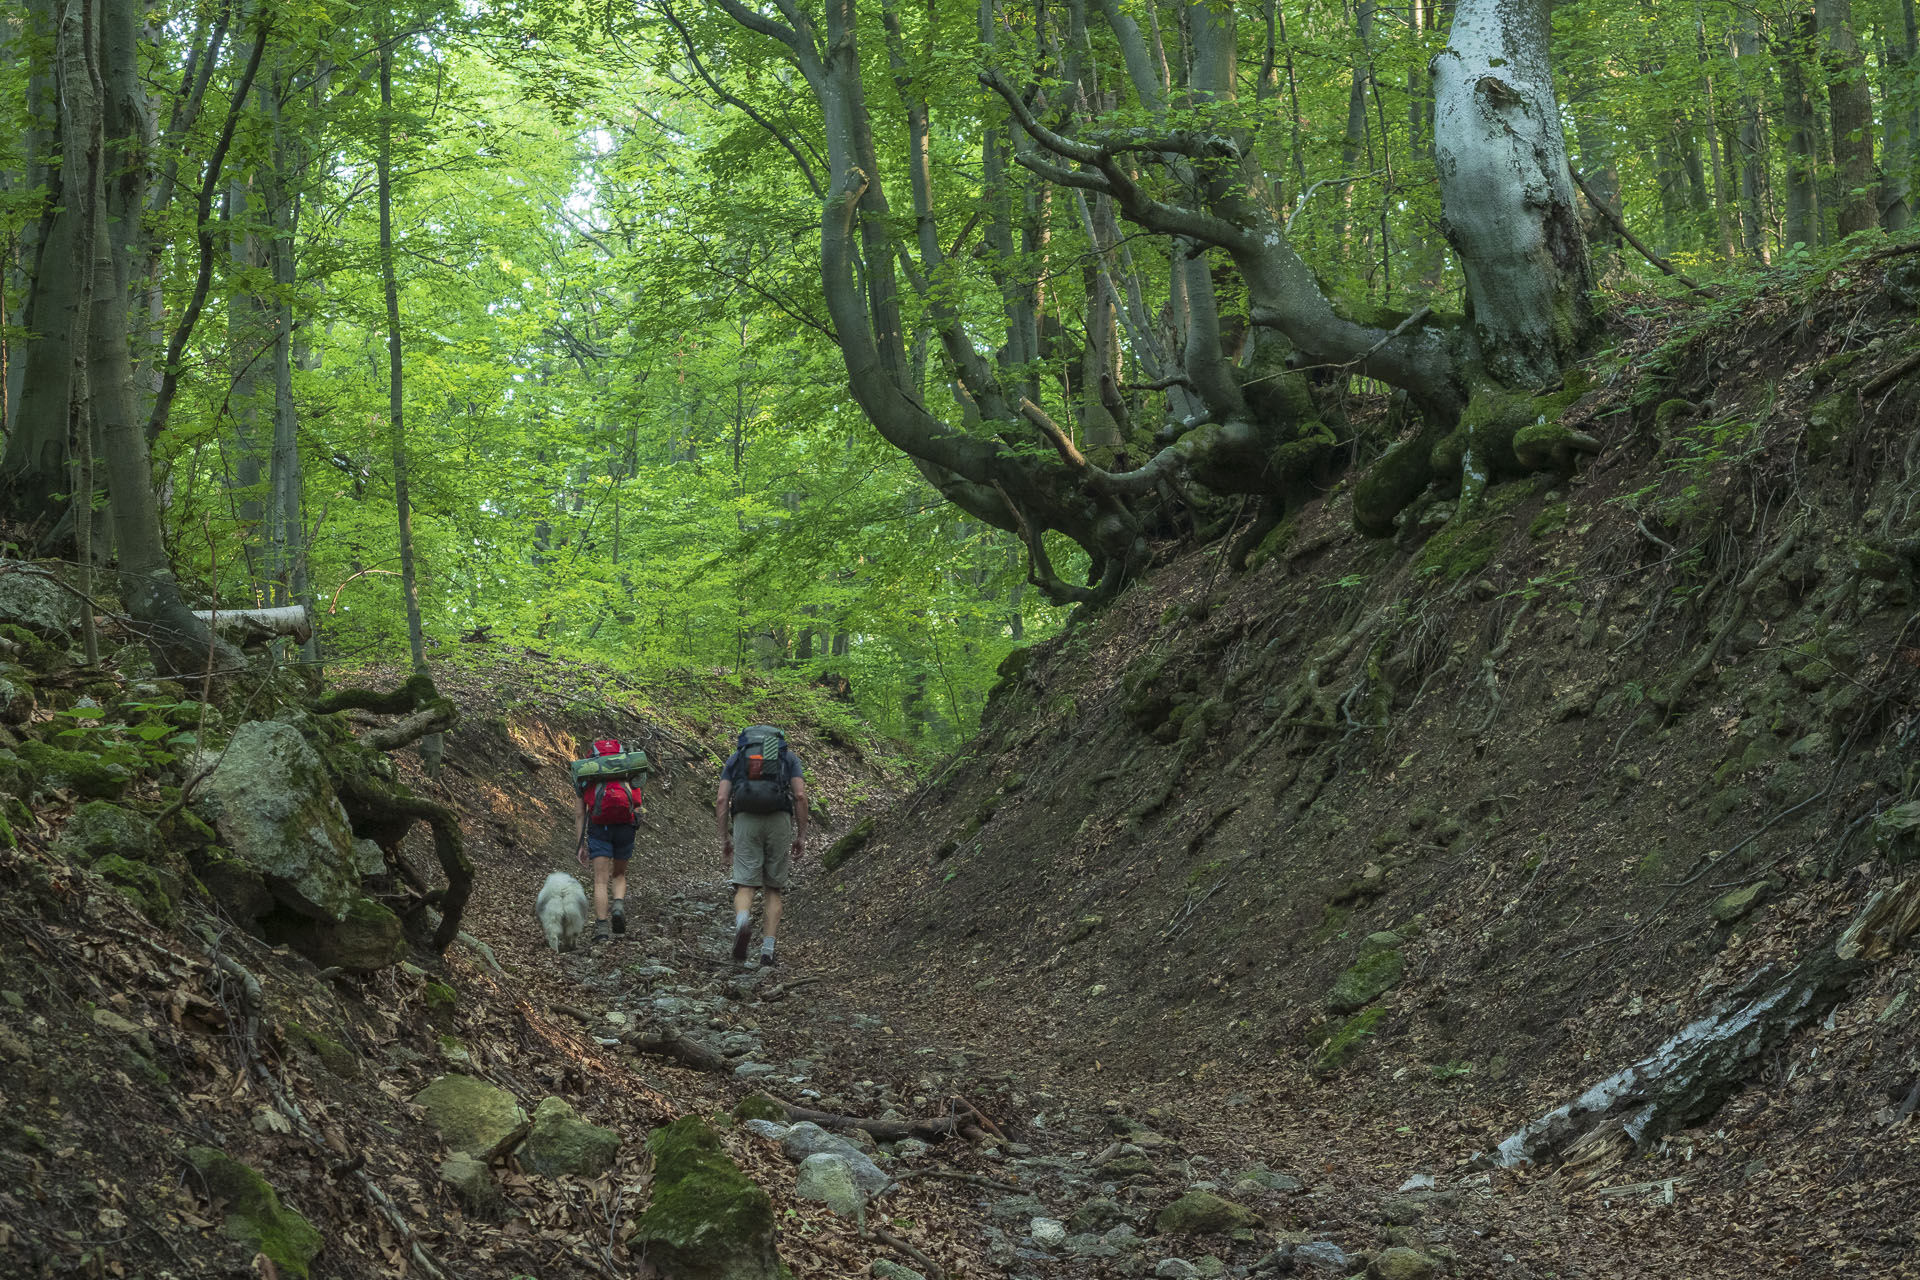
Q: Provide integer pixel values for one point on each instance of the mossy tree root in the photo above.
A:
(415, 692)
(385, 814)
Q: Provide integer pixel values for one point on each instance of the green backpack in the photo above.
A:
(623, 766)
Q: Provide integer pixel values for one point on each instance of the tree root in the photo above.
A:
(414, 692)
(1686, 1079)
(1669, 698)
(385, 814)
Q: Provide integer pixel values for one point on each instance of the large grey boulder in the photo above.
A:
(807, 1139)
(274, 806)
(367, 939)
(36, 602)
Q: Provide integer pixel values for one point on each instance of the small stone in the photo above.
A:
(1048, 1233)
(1418, 1182)
(560, 1143)
(1209, 1268)
(1015, 1207)
(1402, 1263)
(473, 1183)
(1173, 1269)
(911, 1149)
(1402, 1211)
(1731, 908)
(826, 1177)
(753, 1070)
(806, 1139)
(884, 1269)
(1321, 1255)
(254, 1215)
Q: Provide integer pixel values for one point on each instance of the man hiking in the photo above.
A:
(610, 803)
(762, 812)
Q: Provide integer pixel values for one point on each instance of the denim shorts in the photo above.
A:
(609, 842)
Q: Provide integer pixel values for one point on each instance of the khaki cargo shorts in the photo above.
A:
(762, 845)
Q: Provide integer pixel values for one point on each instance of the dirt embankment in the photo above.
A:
(1371, 853)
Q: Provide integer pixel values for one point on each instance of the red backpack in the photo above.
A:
(615, 803)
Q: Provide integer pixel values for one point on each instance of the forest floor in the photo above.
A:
(1303, 886)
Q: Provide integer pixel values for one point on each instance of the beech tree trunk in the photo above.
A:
(1850, 105)
(430, 747)
(1504, 186)
(1802, 167)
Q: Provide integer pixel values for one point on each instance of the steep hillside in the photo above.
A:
(1385, 846)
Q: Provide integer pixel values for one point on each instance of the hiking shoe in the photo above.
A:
(619, 922)
(741, 937)
(766, 960)
(600, 932)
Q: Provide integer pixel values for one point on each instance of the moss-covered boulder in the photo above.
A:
(98, 829)
(1402, 1263)
(707, 1221)
(1378, 970)
(562, 1143)
(1201, 1213)
(85, 773)
(473, 1116)
(849, 844)
(254, 1215)
(367, 939)
(273, 804)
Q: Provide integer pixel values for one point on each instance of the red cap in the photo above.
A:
(606, 747)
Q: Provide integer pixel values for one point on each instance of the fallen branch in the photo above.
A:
(438, 718)
(1891, 376)
(659, 1043)
(893, 1241)
(1619, 225)
(880, 1130)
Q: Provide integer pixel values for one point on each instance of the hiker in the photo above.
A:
(610, 801)
(762, 812)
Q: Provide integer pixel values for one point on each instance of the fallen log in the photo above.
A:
(655, 1043)
(261, 624)
(880, 1130)
(1685, 1080)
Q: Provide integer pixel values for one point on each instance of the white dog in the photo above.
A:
(562, 909)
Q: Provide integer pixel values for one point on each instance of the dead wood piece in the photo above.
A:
(407, 730)
(893, 1241)
(1684, 1081)
(1891, 376)
(881, 1130)
(261, 624)
(656, 1043)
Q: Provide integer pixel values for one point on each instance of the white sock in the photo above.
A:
(740, 919)
(766, 946)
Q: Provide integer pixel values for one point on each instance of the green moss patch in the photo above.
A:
(81, 772)
(1378, 969)
(254, 1215)
(851, 843)
(707, 1221)
(1340, 1047)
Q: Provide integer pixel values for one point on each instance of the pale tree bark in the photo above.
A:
(249, 340)
(1505, 189)
(1850, 104)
